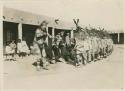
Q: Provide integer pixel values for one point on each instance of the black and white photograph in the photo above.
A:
(62, 44)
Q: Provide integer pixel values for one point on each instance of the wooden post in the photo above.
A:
(72, 33)
(47, 36)
(53, 33)
(20, 31)
(118, 38)
(2, 48)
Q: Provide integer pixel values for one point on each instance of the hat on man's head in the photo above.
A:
(44, 22)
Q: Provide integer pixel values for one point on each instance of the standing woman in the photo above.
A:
(40, 39)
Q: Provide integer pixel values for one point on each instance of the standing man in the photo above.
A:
(68, 43)
(87, 54)
(40, 38)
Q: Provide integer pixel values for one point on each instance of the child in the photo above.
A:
(10, 51)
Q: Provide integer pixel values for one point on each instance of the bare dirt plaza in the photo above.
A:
(103, 74)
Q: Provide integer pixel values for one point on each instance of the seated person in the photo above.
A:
(56, 50)
(22, 48)
(10, 51)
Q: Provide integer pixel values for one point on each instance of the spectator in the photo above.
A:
(10, 51)
(68, 42)
(22, 48)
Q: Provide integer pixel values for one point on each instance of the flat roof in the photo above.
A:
(18, 16)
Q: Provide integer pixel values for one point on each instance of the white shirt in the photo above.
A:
(22, 47)
(67, 40)
(9, 50)
(86, 44)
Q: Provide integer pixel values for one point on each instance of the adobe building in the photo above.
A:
(117, 37)
(19, 24)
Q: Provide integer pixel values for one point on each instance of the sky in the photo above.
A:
(107, 14)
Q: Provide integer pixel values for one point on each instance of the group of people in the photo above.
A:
(93, 48)
(60, 48)
(75, 51)
(12, 49)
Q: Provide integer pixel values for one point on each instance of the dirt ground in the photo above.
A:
(104, 74)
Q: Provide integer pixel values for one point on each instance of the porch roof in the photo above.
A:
(18, 16)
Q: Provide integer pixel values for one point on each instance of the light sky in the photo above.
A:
(97, 13)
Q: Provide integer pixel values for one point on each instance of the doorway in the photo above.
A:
(10, 32)
(28, 33)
